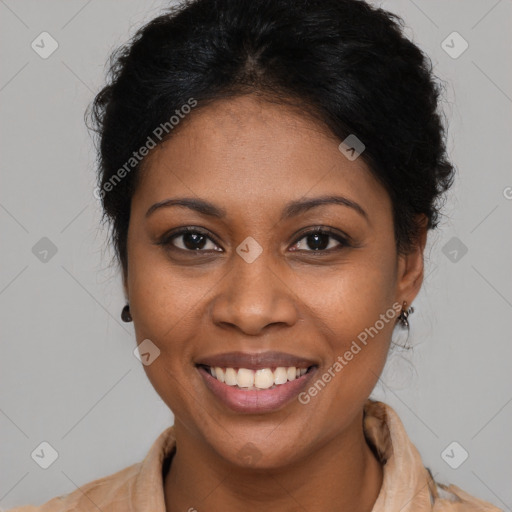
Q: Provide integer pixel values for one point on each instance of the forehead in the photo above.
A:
(245, 153)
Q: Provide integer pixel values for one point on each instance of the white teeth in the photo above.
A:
(219, 374)
(263, 378)
(280, 376)
(245, 378)
(230, 377)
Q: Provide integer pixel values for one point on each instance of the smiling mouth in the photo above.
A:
(246, 379)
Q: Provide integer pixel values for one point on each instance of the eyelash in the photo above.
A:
(166, 240)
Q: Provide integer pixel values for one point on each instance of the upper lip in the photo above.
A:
(254, 361)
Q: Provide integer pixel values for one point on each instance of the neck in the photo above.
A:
(343, 471)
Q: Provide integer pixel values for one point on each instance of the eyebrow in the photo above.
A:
(292, 209)
(199, 205)
(303, 205)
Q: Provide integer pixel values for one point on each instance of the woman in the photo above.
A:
(270, 170)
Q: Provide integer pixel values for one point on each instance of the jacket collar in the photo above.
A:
(407, 485)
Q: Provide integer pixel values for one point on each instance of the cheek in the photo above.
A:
(163, 299)
(352, 296)
(355, 307)
(165, 309)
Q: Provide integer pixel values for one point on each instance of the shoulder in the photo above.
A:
(136, 487)
(407, 484)
(99, 493)
(451, 498)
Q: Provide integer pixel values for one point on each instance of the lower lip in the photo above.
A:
(256, 401)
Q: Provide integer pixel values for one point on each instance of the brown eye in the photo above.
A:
(322, 240)
(190, 239)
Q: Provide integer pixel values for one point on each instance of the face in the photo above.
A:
(252, 277)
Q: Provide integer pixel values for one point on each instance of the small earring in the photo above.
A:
(402, 318)
(125, 314)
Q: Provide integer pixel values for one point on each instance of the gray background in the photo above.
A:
(68, 374)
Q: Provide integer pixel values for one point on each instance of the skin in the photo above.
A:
(251, 157)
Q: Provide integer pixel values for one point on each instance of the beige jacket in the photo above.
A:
(407, 485)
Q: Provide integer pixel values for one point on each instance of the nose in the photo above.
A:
(253, 296)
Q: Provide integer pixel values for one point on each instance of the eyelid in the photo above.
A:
(344, 241)
(167, 238)
(324, 230)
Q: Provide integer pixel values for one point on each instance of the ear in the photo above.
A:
(411, 265)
